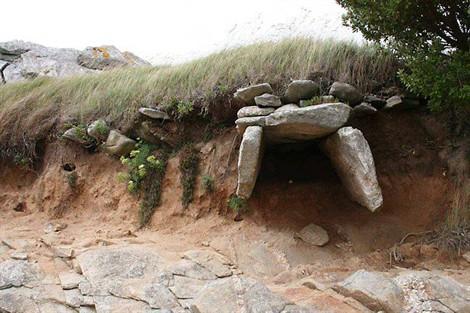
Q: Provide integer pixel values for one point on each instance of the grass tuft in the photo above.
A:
(30, 111)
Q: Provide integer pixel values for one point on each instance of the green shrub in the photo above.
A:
(22, 161)
(208, 183)
(430, 37)
(237, 204)
(189, 163)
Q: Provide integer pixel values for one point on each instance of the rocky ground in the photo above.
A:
(61, 269)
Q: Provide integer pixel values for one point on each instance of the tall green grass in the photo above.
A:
(30, 111)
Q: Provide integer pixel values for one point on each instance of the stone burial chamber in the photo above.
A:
(345, 146)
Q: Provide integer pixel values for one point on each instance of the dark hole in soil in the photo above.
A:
(69, 167)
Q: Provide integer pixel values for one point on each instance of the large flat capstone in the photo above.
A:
(249, 160)
(350, 154)
(299, 124)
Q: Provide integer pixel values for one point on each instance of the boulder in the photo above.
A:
(77, 134)
(247, 95)
(118, 144)
(154, 114)
(254, 111)
(249, 160)
(30, 60)
(107, 57)
(299, 124)
(268, 100)
(306, 123)
(350, 154)
(374, 290)
(363, 109)
(287, 107)
(346, 93)
(301, 90)
(314, 235)
(98, 130)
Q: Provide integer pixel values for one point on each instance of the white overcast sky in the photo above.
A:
(171, 30)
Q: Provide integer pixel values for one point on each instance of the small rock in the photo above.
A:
(63, 252)
(73, 298)
(70, 280)
(301, 90)
(54, 228)
(363, 109)
(118, 144)
(313, 234)
(287, 107)
(399, 103)
(244, 122)
(466, 256)
(346, 93)
(76, 266)
(247, 95)
(268, 100)
(254, 110)
(98, 130)
(19, 255)
(375, 101)
(154, 113)
(393, 102)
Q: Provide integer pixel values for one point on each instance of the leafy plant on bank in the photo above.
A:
(208, 183)
(237, 204)
(144, 176)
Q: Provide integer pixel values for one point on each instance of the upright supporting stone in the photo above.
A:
(249, 160)
(350, 154)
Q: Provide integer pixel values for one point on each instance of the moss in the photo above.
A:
(189, 164)
(72, 179)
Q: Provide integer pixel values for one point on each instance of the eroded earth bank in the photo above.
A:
(77, 247)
